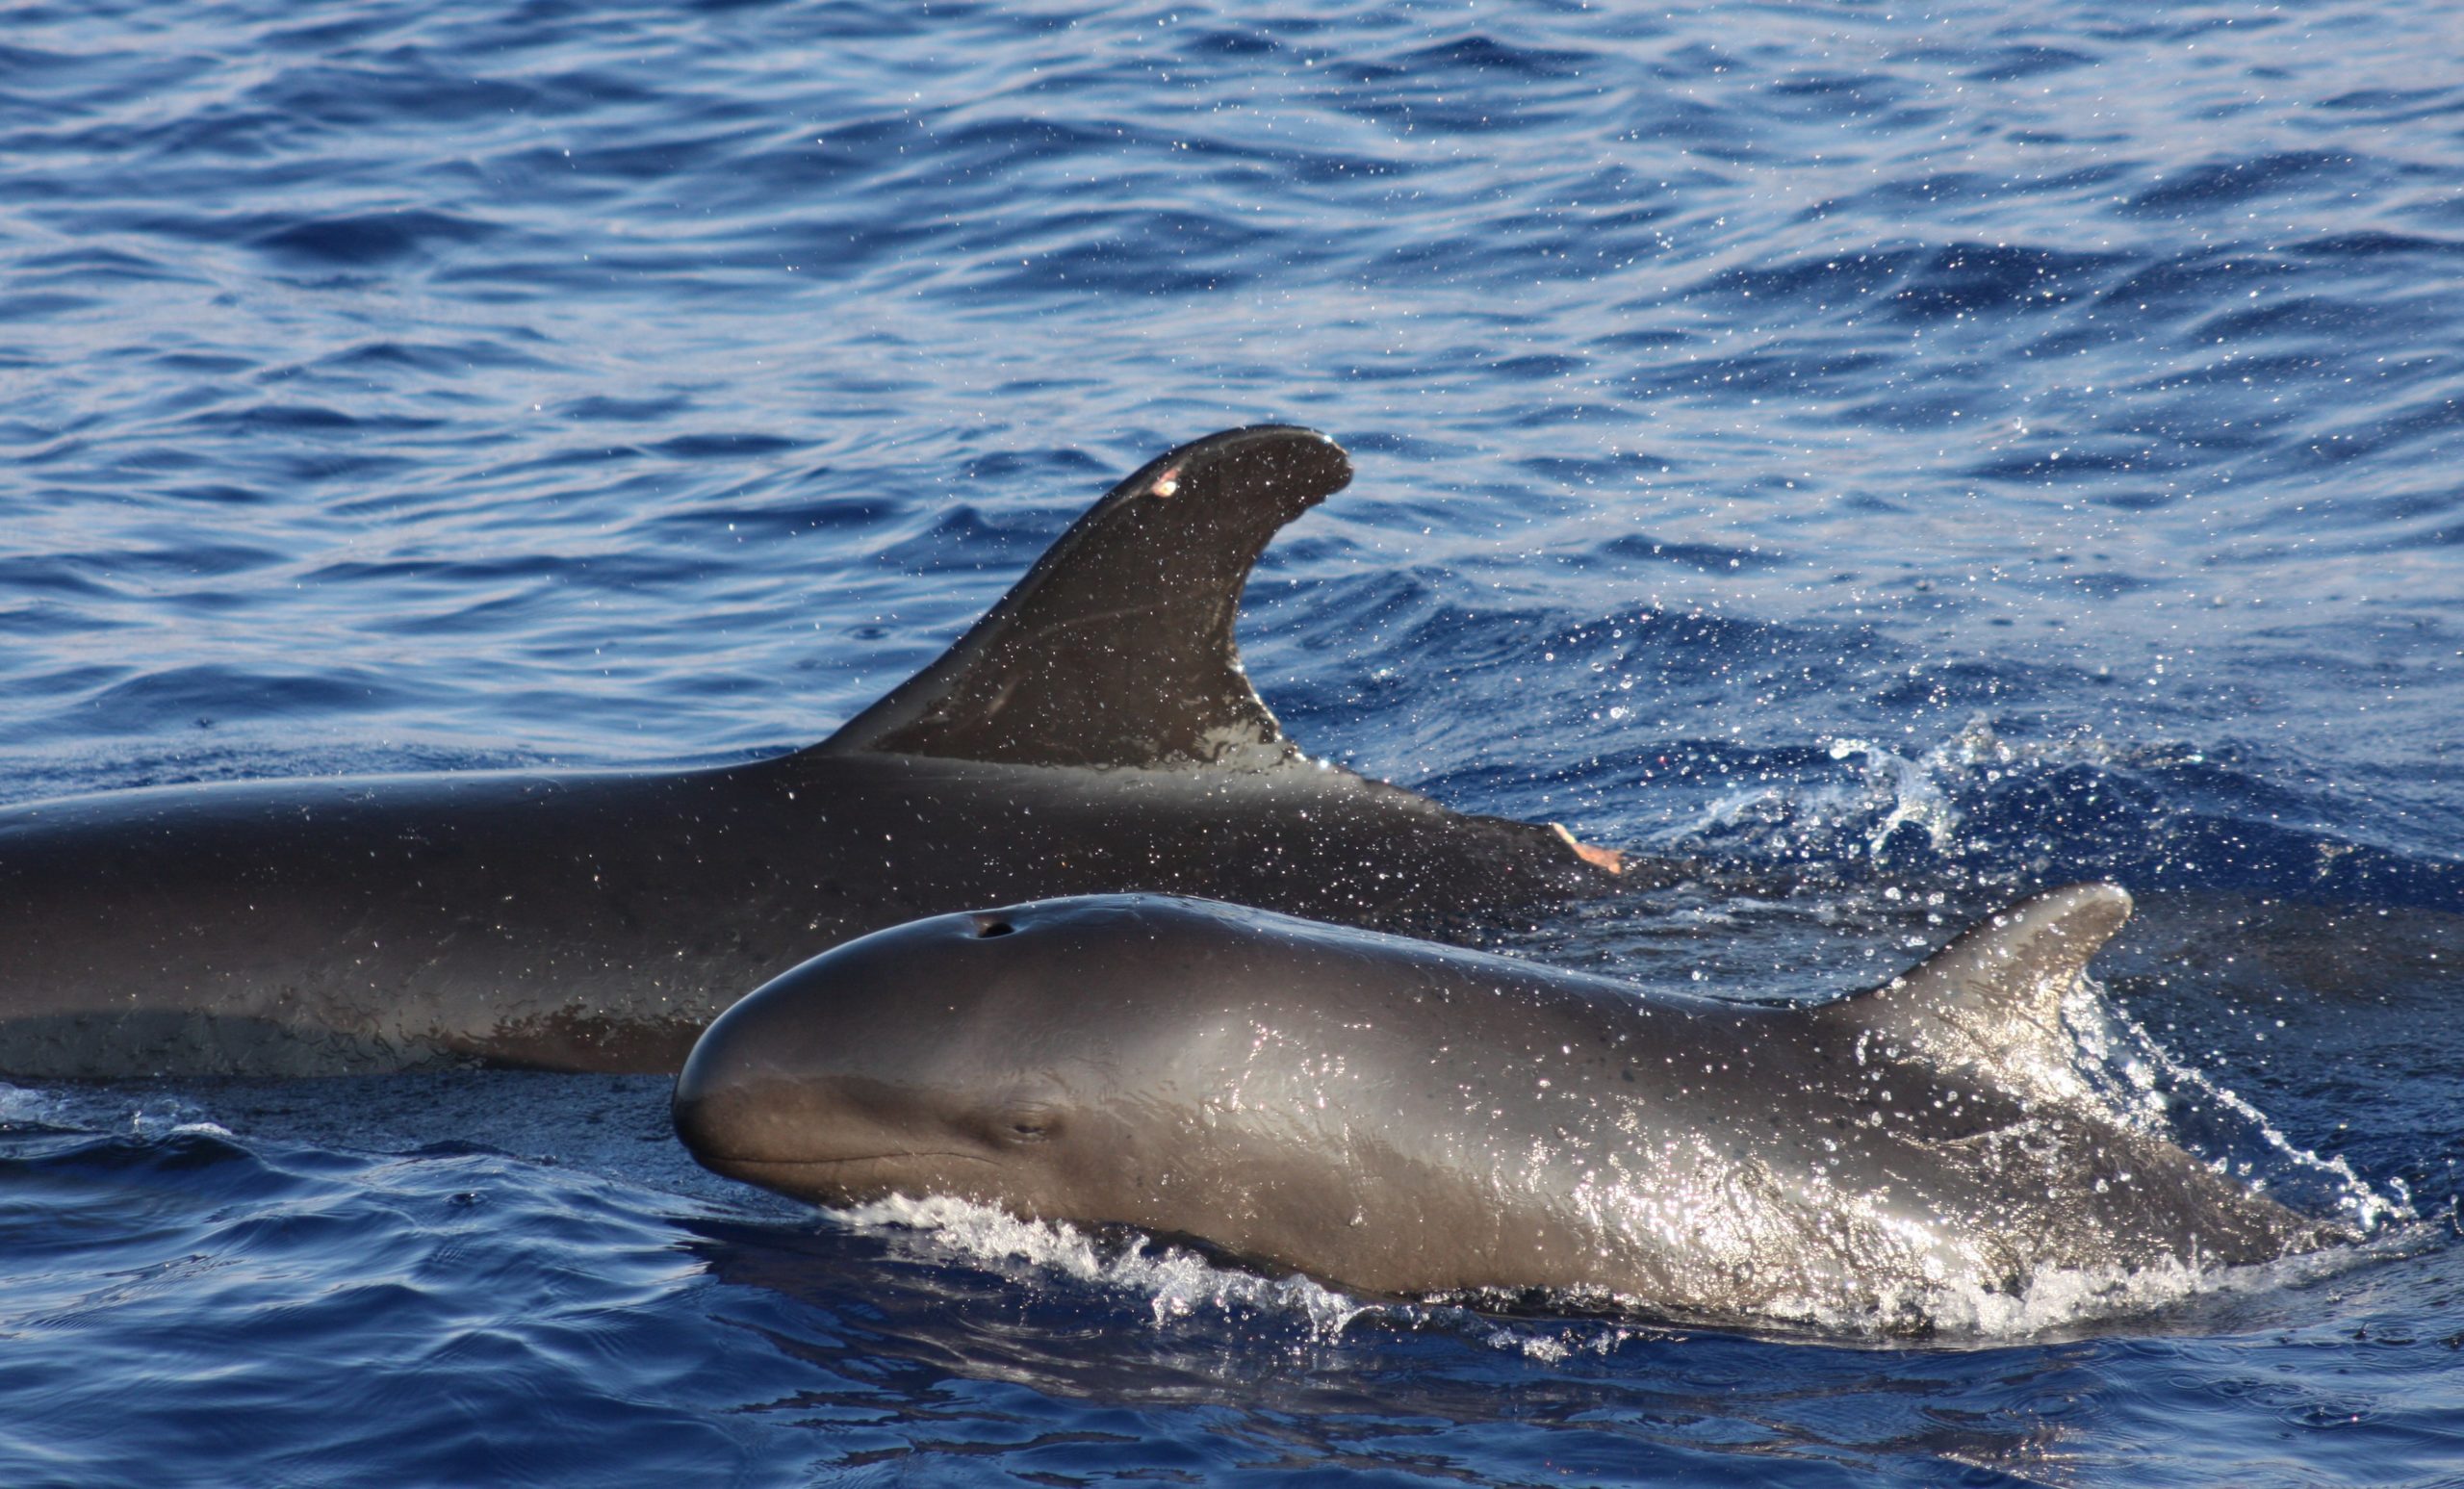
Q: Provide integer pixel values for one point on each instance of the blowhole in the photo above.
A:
(991, 925)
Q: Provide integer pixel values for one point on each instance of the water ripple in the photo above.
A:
(1884, 453)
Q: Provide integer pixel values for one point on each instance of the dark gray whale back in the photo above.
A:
(1403, 1117)
(1093, 731)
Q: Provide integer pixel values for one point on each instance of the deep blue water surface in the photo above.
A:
(1902, 455)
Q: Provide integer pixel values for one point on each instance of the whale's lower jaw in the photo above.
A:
(860, 1179)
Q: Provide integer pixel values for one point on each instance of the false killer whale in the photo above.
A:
(1095, 730)
(1407, 1118)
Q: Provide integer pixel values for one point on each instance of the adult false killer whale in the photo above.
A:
(1408, 1118)
(1093, 731)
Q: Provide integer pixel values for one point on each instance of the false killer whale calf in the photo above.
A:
(1093, 731)
(1408, 1118)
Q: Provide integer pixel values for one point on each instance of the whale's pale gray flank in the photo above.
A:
(1406, 1118)
(1093, 731)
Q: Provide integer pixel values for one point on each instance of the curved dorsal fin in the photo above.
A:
(1993, 997)
(1117, 649)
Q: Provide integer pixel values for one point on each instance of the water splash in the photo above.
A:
(1888, 803)
(1901, 792)
(2155, 1092)
(1173, 1286)
(1177, 1283)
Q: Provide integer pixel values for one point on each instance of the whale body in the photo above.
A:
(1400, 1117)
(1093, 731)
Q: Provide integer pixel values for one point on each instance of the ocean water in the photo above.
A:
(1896, 455)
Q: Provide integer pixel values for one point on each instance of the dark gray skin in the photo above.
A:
(1406, 1118)
(1093, 731)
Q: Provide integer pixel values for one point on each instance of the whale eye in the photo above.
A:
(1023, 1124)
(1033, 1108)
(991, 925)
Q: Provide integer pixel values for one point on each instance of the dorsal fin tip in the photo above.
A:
(1117, 646)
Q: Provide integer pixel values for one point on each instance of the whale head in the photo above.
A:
(996, 1055)
(1150, 1061)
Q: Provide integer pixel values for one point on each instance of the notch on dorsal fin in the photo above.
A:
(1991, 999)
(1117, 649)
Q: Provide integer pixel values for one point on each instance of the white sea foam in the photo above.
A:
(21, 1107)
(1173, 1284)
(1896, 792)
(1890, 791)
(103, 1110)
(2057, 1299)
(1176, 1284)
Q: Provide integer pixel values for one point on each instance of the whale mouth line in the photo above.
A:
(746, 1161)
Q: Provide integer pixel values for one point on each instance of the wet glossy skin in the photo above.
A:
(1093, 731)
(600, 921)
(1403, 1117)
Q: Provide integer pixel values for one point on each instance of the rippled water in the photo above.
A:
(1898, 456)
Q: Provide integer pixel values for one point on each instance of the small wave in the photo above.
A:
(369, 239)
(1174, 1284)
(22, 1107)
(1863, 815)
(102, 1111)
(2055, 1300)
(2001, 813)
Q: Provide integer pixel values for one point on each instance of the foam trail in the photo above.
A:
(1174, 1284)
(1177, 1283)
